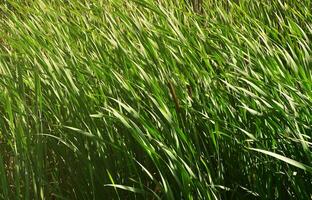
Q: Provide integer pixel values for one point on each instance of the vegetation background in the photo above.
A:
(146, 99)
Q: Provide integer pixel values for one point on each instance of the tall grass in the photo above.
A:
(144, 99)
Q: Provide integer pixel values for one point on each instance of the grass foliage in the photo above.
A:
(146, 99)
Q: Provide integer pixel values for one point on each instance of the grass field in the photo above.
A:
(148, 99)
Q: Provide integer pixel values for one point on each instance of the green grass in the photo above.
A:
(144, 99)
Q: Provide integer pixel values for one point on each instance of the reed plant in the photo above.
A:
(146, 99)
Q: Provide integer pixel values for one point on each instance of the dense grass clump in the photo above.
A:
(146, 99)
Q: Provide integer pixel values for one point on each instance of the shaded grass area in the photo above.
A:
(149, 100)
